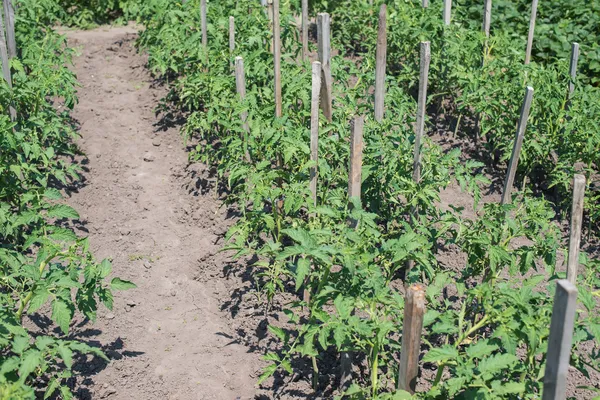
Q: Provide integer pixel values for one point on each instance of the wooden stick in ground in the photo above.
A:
(425, 3)
(6, 66)
(324, 47)
(314, 128)
(231, 35)
(534, 5)
(421, 108)
(487, 20)
(516, 152)
(380, 63)
(414, 309)
(560, 341)
(305, 30)
(240, 87)
(356, 151)
(9, 15)
(573, 67)
(277, 58)
(447, 11)
(203, 23)
(576, 223)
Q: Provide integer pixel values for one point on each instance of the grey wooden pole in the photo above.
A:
(380, 64)
(573, 67)
(9, 15)
(534, 5)
(305, 30)
(240, 86)
(447, 12)
(231, 35)
(414, 310)
(514, 158)
(425, 3)
(560, 341)
(356, 153)
(324, 47)
(203, 23)
(277, 58)
(576, 223)
(487, 17)
(421, 108)
(6, 67)
(314, 128)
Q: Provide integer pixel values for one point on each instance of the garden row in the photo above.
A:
(44, 266)
(342, 237)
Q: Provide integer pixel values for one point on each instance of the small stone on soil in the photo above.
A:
(148, 157)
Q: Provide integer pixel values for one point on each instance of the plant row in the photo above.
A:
(486, 326)
(45, 267)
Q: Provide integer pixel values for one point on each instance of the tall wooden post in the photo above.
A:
(534, 5)
(231, 35)
(203, 24)
(324, 44)
(9, 15)
(305, 30)
(414, 310)
(516, 152)
(487, 20)
(6, 74)
(447, 12)
(576, 223)
(425, 3)
(277, 58)
(381, 59)
(573, 68)
(240, 87)
(421, 108)
(356, 152)
(314, 128)
(560, 341)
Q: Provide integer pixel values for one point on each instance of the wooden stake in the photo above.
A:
(514, 158)
(240, 87)
(324, 43)
(414, 309)
(314, 128)
(203, 23)
(487, 17)
(381, 64)
(6, 67)
(305, 30)
(9, 15)
(231, 35)
(573, 67)
(576, 223)
(421, 108)
(560, 341)
(277, 58)
(425, 3)
(447, 11)
(356, 150)
(534, 5)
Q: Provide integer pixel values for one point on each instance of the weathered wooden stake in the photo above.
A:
(576, 223)
(231, 35)
(305, 30)
(381, 59)
(324, 44)
(314, 128)
(356, 151)
(573, 67)
(240, 87)
(277, 58)
(414, 309)
(9, 15)
(534, 5)
(203, 23)
(514, 158)
(487, 17)
(560, 341)
(421, 108)
(447, 11)
(6, 67)
(425, 3)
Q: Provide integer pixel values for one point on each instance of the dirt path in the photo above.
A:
(169, 338)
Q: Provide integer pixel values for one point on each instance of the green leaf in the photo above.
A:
(302, 270)
(105, 268)
(29, 362)
(62, 211)
(66, 354)
(52, 194)
(267, 372)
(441, 354)
(481, 349)
(120, 284)
(62, 314)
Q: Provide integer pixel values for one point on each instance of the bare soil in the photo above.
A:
(172, 337)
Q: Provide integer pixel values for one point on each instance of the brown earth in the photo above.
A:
(169, 338)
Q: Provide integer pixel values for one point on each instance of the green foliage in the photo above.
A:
(44, 266)
(486, 328)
